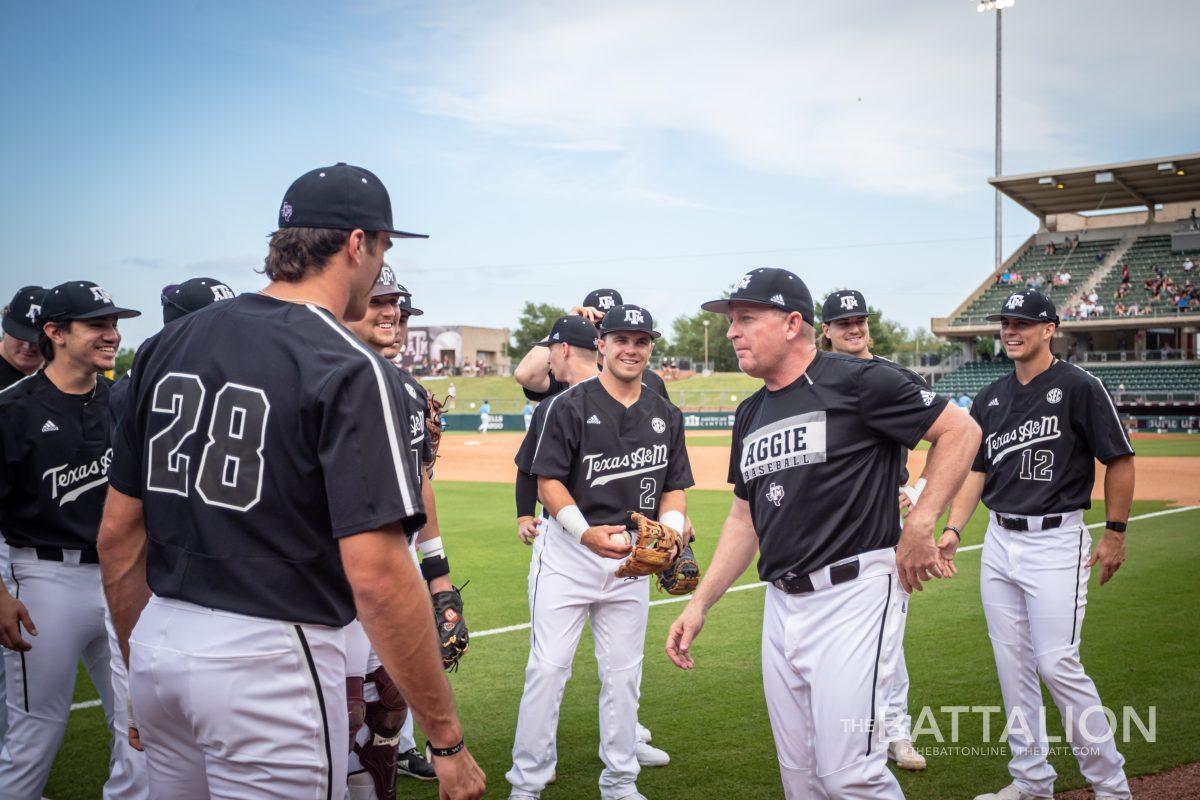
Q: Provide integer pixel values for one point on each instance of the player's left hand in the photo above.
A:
(527, 529)
(905, 503)
(1110, 552)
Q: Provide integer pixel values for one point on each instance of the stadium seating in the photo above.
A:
(1157, 382)
(1142, 257)
(1080, 262)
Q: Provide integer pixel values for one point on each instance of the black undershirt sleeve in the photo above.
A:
(526, 494)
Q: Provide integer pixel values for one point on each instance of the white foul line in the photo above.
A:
(524, 626)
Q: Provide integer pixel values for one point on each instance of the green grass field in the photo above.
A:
(713, 720)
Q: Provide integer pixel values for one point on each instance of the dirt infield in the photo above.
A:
(489, 459)
(1181, 783)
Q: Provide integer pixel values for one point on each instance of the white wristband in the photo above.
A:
(571, 518)
(673, 520)
(431, 548)
(914, 492)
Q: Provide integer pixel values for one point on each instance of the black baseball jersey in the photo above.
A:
(55, 453)
(650, 379)
(261, 432)
(818, 461)
(612, 459)
(526, 484)
(415, 408)
(1040, 440)
(921, 384)
(118, 398)
(9, 374)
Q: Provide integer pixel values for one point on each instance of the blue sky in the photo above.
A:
(549, 148)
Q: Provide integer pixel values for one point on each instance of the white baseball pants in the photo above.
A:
(827, 660)
(237, 707)
(66, 601)
(1034, 588)
(569, 584)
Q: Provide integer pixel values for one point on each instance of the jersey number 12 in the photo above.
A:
(1037, 464)
(230, 472)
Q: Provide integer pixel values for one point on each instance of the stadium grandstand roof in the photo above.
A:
(1147, 182)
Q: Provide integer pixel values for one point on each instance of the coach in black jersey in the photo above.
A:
(261, 495)
(1044, 425)
(814, 463)
(607, 447)
(536, 375)
(845, 329)
(19, 355)
(55, 455)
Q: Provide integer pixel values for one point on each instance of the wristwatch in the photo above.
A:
(1113, 525)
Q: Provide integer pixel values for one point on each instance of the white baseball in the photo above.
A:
(620, 539)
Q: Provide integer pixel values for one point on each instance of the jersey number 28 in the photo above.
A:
(230, 472)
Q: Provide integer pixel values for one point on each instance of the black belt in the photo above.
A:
(802, 584)
(87, 555)
(1022, 524)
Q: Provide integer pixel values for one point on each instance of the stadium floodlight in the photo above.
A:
(1180, 172)
(1104, 177)
(998, 6)
(1060, 185)
(1168, 166)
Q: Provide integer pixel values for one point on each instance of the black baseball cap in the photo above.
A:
(387, 284)
(628, 318)
(404, 304)
(341, 197)
(1029, 304)
(81, 300)
(602, 299)
(768, 286)
(574, 330)
(843, 304)
(22, 319)
(179, 300)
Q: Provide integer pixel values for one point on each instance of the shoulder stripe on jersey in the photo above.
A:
(389, 419)
(1111, 405)
(18, 383)
(546, 416)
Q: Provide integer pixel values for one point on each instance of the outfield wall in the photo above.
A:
(692, 420)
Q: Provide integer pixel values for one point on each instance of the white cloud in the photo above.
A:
(886, 97)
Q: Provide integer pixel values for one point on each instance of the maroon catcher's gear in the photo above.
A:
(357, 707)
(385, 717)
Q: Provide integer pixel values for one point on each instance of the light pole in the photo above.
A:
(705, 369)
(998, 6)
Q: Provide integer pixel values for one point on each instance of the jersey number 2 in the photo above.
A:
(1037, 464)
(230, 473)
(647, 499)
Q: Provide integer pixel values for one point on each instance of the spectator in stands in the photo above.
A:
(1050, 248)
(1124, 273)
(1064, 278)
(1158, 270)
(1121, 291)
(1181, 303)
(964, 401)
(1097, 309)
(1093, 297)
(1134, 309)
(1039, 281)
(1195, 222)
(1100, 256)
(1188, 266)
(1119, 309)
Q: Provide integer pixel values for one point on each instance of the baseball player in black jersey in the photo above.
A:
(178, 300)
(845, 329)
(815, 463)
(19, 354)
(262, 496)
(607, 447)
(1044, 425)
(535, 374)
(384, 741)
(55, 453)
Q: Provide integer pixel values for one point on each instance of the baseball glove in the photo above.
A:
(655, 547)
(683, 576)
(451, 627)
(433, 425)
